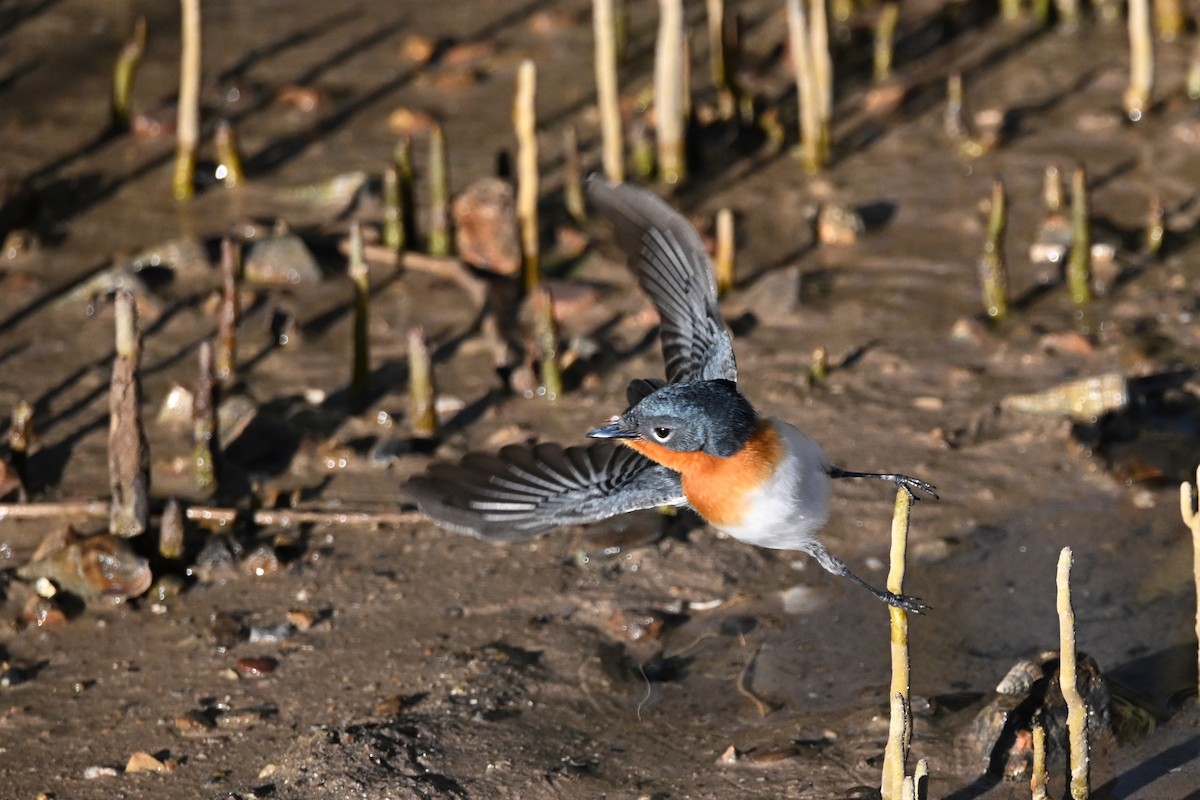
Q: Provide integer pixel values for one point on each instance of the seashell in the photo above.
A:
(1084, 399)
(98, 566)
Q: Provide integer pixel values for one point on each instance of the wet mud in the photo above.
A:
(644, 656)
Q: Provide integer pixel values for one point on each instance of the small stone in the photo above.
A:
(144, 762)
(306, 99)
(418, 49)
(241, 719)
(928, 403)
(261, 561)
(728, 758)
(194, 723)
(838, 225)
(92, 773)
(636, 625)
(468, 53)
(486, 230)
(255, 667)
(268, 771)
(283, 260)
(410, 121)
(969, 330)
(43, 612)
(301, 619)
(1067, 342)
(272, 633)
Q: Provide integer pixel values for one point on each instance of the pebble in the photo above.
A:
(261, 561)
(272, 633)
(141, 761)
(91, 773)
(194, 723)
(418, 49)
(241, 718)
(283, 260)
(486, 230)
(43, 612)
(409, 121)
(256, 667)
(301, 619)
(636, 625)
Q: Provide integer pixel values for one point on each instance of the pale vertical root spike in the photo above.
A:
(204, 423)
(1141, 60)
(422, 387)
(892, 785)
(525, 123)
(229, 155)
(228, 314)
(669, 93)
(1191, 518)
(823, 75)
(546, 334)
(1076, 711)
(604, 26)
(1170, 19)
(439, 194)
(360, 372)
(993, 269)
(1052, 189)
(723, 259)
(1156, 228)
(188, 123)
(171, 531)
(818, 367)
(885, 40)
(921, 779)
(1079, 261)
(1037, 779)
(573, 176)
(393, 211)
(124, 71)
(908, 790)
(128, 450)
(806, 89)
(402, 156)
(895, 754)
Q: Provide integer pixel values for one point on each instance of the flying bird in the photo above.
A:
(692, 441)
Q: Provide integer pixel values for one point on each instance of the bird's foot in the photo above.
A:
(908, 484)
(904, 601)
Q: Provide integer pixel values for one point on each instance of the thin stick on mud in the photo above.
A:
(993, 270)
(422, 387)
(439, 194)
(525, 123)
(183, 182)
(885, 40)
(1141, 60)
(393, 211)
(360, 370)
(669, 93)
(171, 531)
(1076, 711)
(124, 72)
(604, 27)
(1191, 518)
(573, 176)
(806, 86)
(1037, 777)
(895, 754)
(1079, 262)
(228, 313)
(20, 440)
(128, 451)
(764, 705)
(402, 156)
(545, 333)
(281, 517)
(229, 155)
(723, 258)
(204, 423)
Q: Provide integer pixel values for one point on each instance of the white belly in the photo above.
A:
(791, 507)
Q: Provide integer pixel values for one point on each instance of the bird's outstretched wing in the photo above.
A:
(673, 268)
(523, 491)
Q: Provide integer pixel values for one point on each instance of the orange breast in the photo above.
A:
(719, 488)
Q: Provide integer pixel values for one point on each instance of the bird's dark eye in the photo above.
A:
(662, 434)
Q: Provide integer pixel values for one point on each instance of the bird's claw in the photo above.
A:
(908, 484)
(906, 602)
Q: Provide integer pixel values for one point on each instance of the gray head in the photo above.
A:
(708, 416)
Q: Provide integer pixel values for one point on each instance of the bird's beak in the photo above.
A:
(613, 430)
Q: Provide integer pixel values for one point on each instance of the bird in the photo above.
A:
(692, 440)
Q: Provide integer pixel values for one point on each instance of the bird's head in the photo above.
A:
(711, 417)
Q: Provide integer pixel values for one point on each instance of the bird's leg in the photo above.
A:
(838, 567)
(902, 481)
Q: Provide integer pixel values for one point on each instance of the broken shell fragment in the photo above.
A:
(98, 566)
(1084, 399)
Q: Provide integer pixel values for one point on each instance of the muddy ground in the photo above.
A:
(623, 660)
